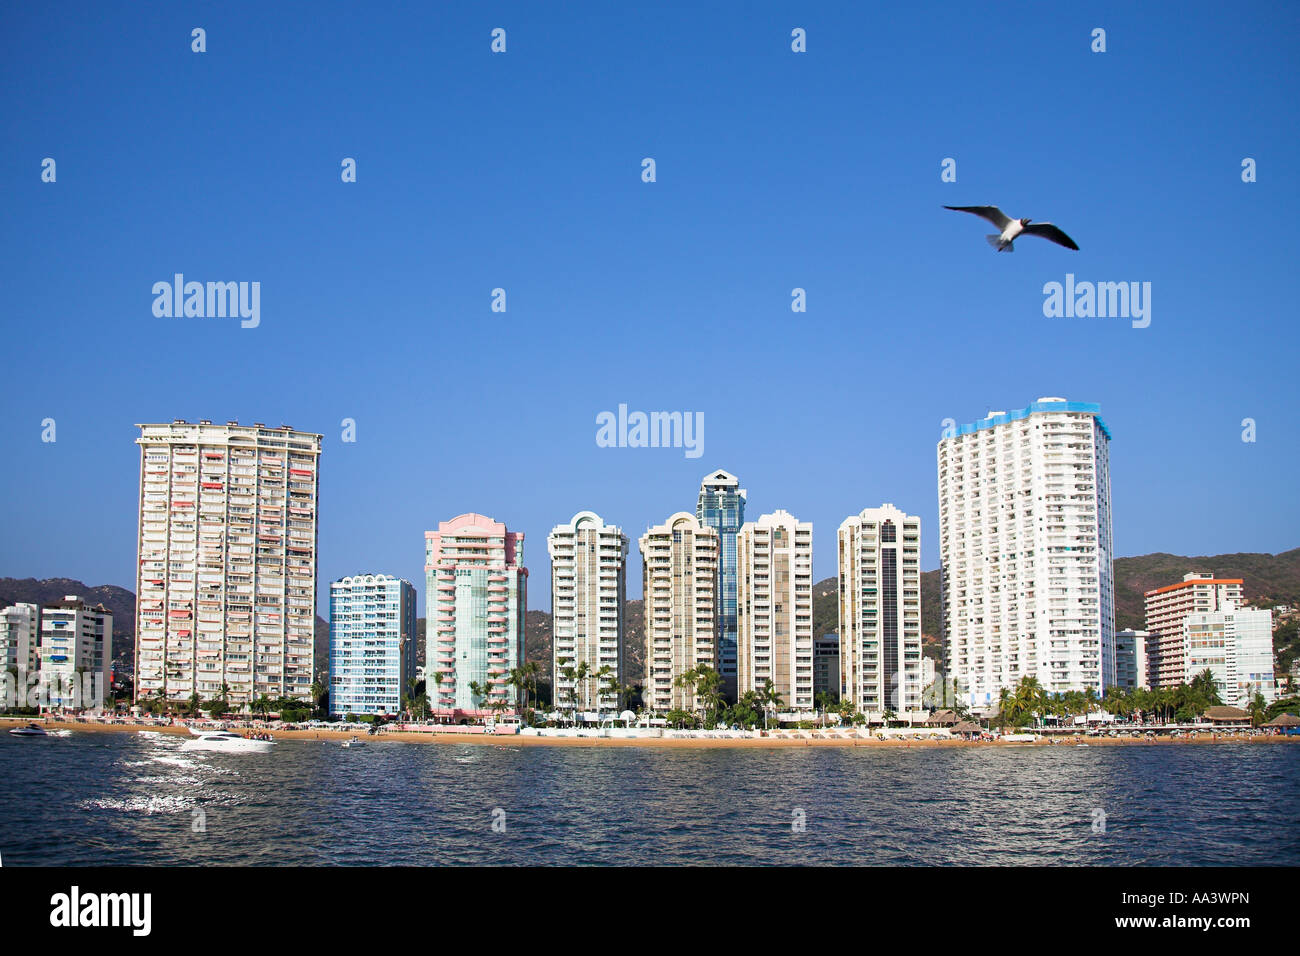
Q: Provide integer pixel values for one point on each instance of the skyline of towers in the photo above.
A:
(588, 599)
(226, 561)
(227, 556)
(1025, 550)
(774, 616)
(372, 643)
(880, 610)
(721, 506)
(476, 596)
(680, 585)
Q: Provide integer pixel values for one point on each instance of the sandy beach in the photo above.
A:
(520, 740)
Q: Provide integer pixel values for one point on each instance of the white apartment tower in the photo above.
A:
(372, 644)
(588, 593)
(226, 577)
(76, 654)
(1025, 550)
(880, 610)
(774, 609)
(681, 607)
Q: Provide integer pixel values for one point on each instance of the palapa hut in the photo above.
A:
(1224, 716)
(942, 718)
(1284, 723)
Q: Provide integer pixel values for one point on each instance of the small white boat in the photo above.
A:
(354, 742)
(223, 741)
(31, 730)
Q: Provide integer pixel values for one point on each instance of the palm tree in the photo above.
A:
(438, 678)
(529, 670)
(1005, 704)
(609, 686)
(1204, 686)
(515, 679)
(319, 698)
(709, 690)
(824, 699)
(480, 692)
(1257, 708)
(770, 698)
(688, 679)
(575, 677)
(1026, 700)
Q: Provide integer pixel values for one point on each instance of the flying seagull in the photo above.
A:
(1012, 228)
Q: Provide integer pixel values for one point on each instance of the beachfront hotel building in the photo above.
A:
(20, 637)
(476, 595)
(880, 610)
(1235, 644)
(588, 594)
(680, 591)
(1199, 592)
(372, 644)
(721, 506)
(774, 622)
(75, 654)
(1025, 551)
(226, 569)
(1131, 659)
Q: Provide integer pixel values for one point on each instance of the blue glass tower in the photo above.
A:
(721, 506)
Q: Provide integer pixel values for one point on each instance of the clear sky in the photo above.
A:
(775, 170)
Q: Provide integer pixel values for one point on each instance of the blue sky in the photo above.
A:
(522, 171)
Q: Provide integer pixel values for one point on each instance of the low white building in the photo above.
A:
(76, 654)
(1131, 659)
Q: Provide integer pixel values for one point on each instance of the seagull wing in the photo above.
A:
(992, 213)
(1047, 231)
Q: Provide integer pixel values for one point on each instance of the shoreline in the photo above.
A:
(520, 740)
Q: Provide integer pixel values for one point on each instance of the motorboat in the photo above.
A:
(31, 730)
(354, 742)
(223, 741)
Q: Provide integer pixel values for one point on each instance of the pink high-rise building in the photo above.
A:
(476, 596)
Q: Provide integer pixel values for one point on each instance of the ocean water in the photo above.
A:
(121, 799)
